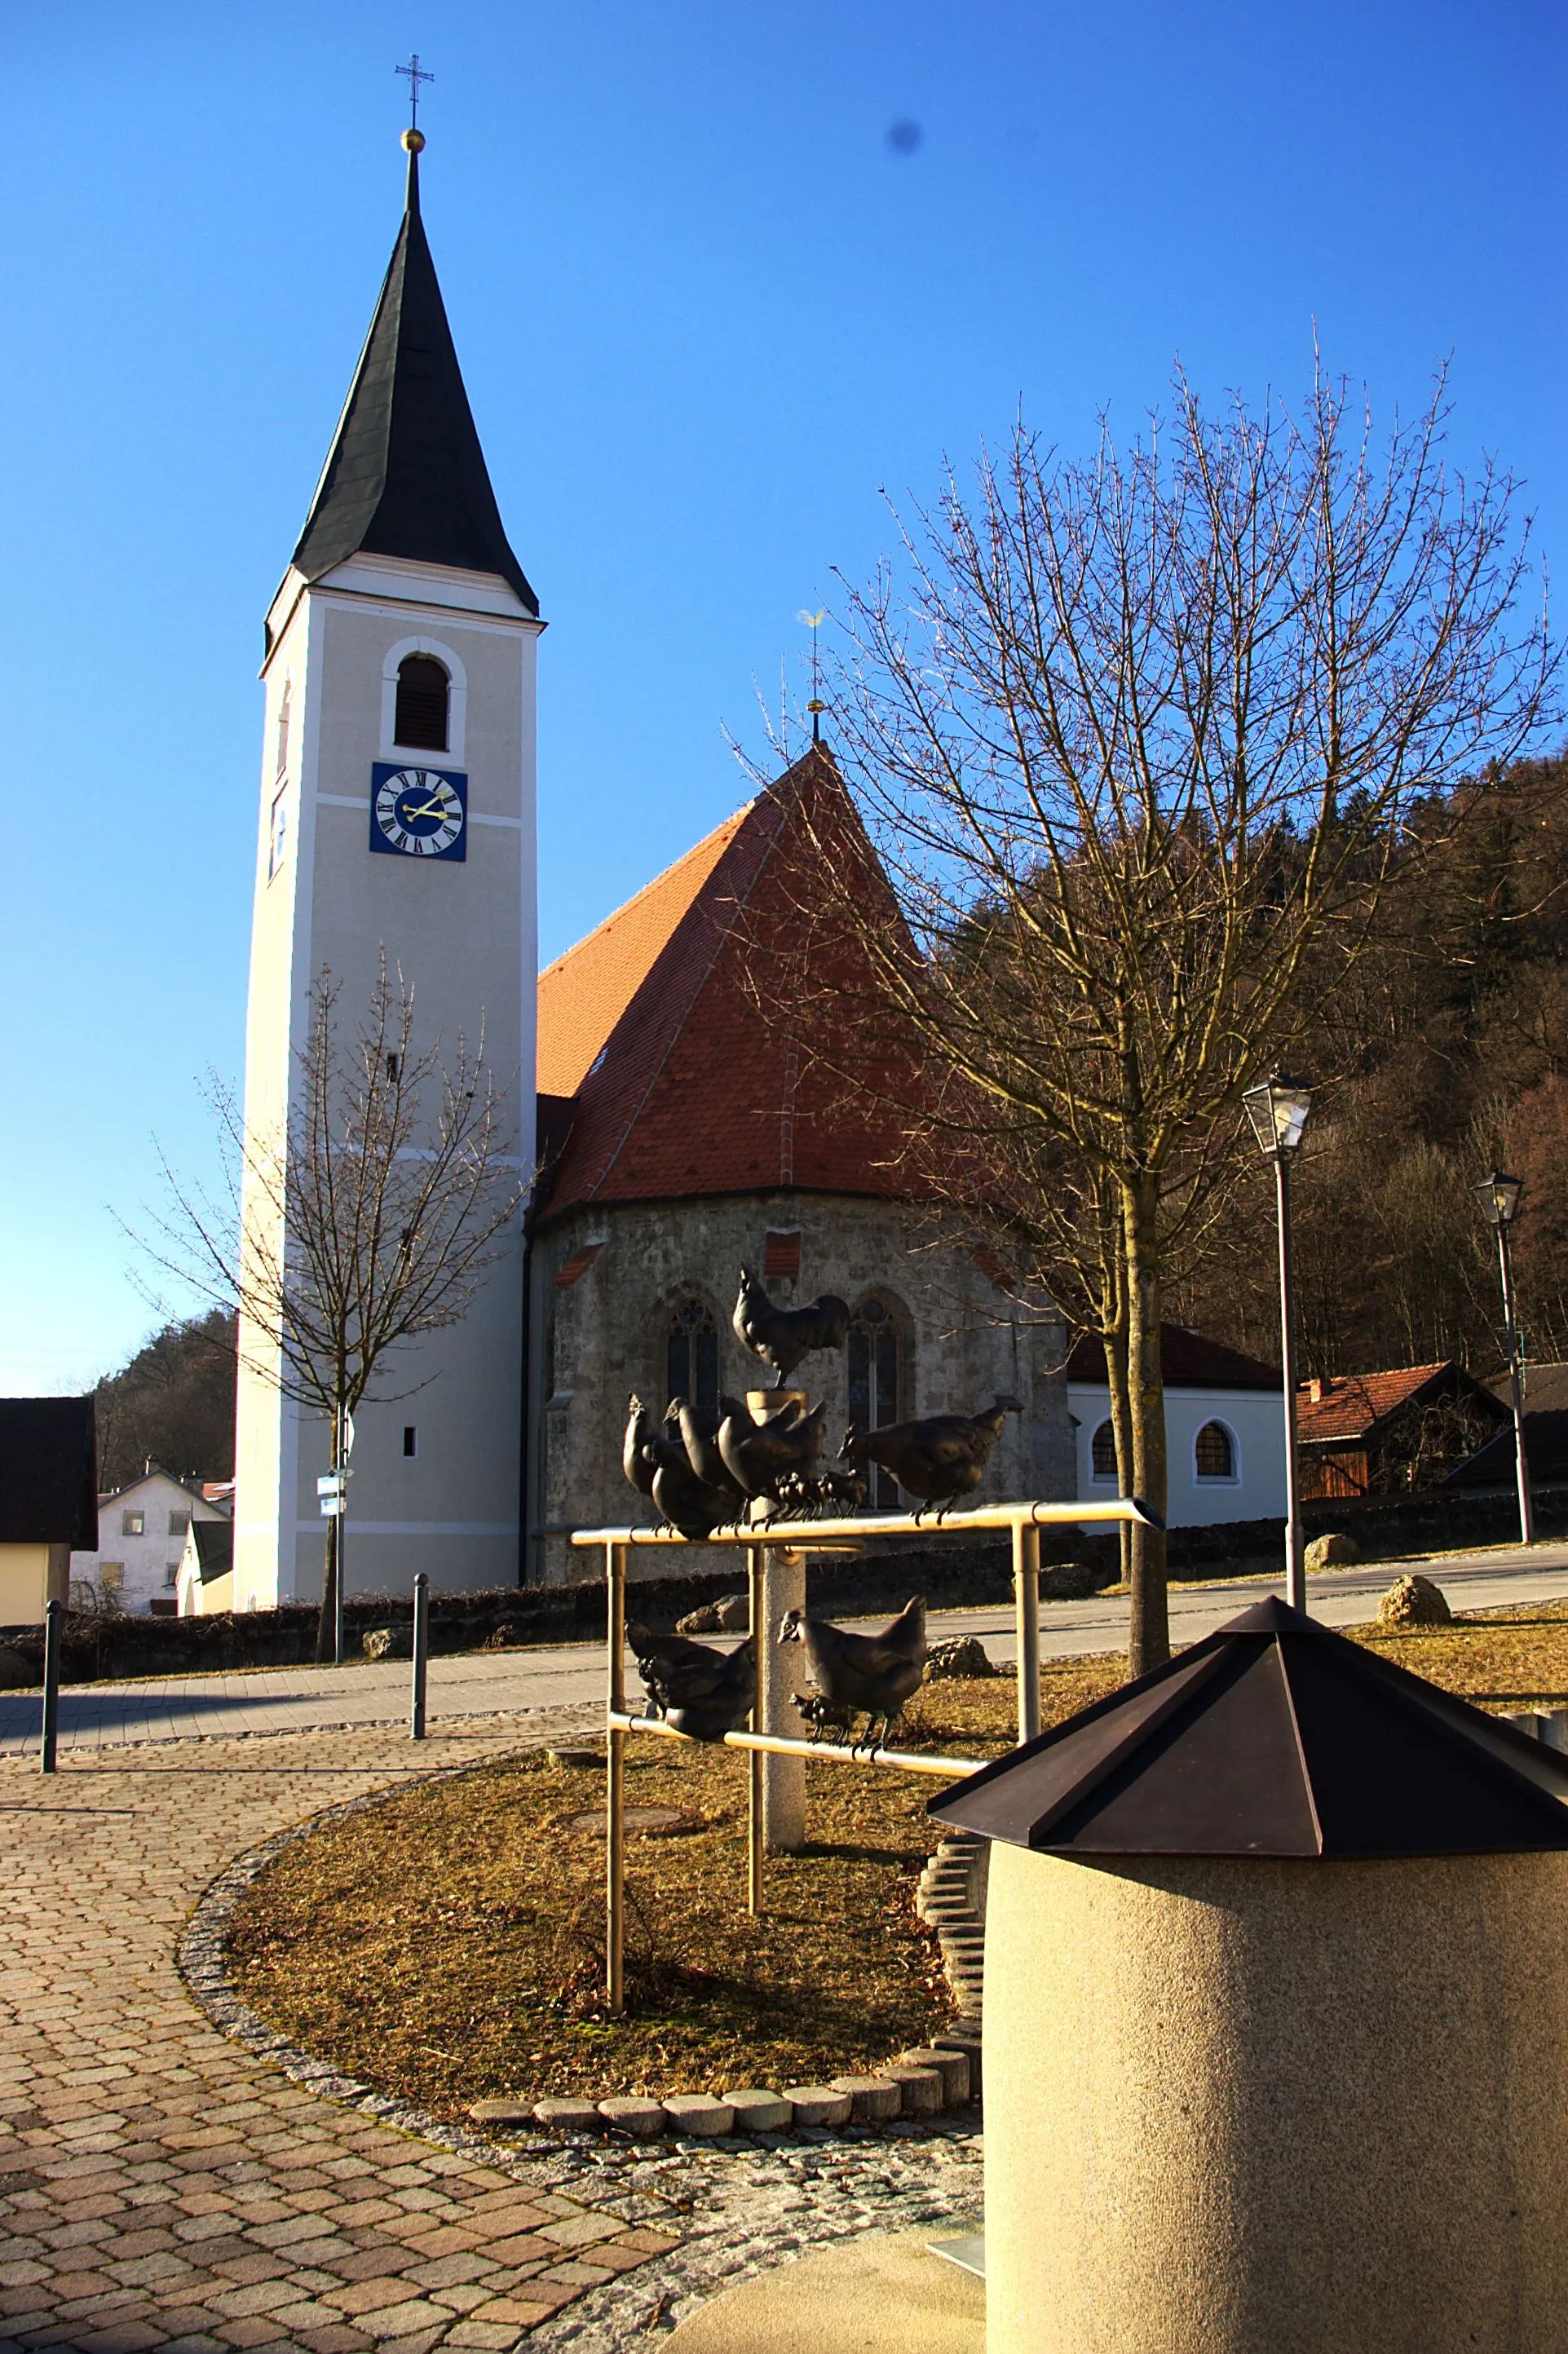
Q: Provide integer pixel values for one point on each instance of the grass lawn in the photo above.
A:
(445, 1944)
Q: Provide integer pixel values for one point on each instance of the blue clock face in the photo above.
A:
(418, 812)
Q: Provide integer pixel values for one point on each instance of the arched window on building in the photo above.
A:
(690, 1355)
(423, 688)
(1214, 1453)
(283, 728)
(1102, 1452)
(874, 1384)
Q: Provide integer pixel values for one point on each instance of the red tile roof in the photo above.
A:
(1186, 1361)
(683, 1088)
(1351, 1405)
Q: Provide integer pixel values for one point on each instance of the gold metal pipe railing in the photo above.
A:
(1023, 1521)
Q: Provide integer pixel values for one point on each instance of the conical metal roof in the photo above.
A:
(406, 475)
(1274, 1736)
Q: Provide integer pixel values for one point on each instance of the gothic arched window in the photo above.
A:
(690, 1355)
(875, 1384)
(1213, 1453)
(1102, 1452)
(421, 712)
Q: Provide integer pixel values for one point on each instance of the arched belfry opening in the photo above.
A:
(424, 694)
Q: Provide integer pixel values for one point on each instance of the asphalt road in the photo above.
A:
(478, 1687)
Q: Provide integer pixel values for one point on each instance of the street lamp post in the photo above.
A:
(1278, 1109)
(1499, 1195)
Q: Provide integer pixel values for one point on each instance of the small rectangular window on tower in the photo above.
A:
(411, 1439)
(278, 836)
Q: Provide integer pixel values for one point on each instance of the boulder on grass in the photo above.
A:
(960, 1655)
(1415, 1602)
(16, 1672)
(730, 1615)
(1330, 1552)
(390, 1643)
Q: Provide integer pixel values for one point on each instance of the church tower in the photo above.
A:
(403, 638)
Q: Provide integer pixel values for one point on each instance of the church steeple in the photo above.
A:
(406, 475)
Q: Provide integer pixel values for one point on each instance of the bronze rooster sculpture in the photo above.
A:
(782, 1336)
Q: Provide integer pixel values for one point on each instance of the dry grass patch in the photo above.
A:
(1515, 1656)
(446, 1945)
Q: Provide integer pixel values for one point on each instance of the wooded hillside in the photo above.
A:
(1455, 1056)
(173, 1403)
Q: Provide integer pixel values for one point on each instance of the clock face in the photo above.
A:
(418, 812)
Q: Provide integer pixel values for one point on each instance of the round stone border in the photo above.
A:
(741, 2203)
(201, 1958)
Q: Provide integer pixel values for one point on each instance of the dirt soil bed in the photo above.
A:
(446, 1945)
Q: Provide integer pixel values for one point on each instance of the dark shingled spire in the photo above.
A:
(407, 475)
(1273, 1736)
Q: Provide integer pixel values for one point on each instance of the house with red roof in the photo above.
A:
(1377, 1434)
(684, 1133)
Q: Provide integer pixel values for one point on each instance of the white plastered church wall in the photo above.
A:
(463, 934)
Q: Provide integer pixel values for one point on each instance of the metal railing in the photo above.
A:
(1023, 1521)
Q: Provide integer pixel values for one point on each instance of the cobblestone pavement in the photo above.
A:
(164, 2186)
(160, 2186)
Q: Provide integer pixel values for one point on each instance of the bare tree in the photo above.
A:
(361, 1221)
(1139, 743)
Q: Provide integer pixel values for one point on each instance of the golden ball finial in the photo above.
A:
(414, 141)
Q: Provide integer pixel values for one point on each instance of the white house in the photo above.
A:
(1224, 1429)
(141, 1531)
(205, 1578)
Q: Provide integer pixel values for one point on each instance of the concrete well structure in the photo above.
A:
(1276, 2015)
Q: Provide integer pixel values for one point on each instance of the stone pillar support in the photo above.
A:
(779, 1669)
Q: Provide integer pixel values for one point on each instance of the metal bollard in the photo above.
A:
(421, 1655)
(52, 1617)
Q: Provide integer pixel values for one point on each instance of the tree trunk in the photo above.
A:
(327, 1623)
(1148, 1638)
(1113, 1311)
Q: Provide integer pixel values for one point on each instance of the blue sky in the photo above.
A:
(707, 310)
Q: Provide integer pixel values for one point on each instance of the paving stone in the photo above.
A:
(633, 2115)
(920, 2089)
(953, 2067)
(758, 2110)
(698, 2113)
(568, 2117)
(818, 2105)
(875, 2098)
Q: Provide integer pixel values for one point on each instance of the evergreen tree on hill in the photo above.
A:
(173, 1403)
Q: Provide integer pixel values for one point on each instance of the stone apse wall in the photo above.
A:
(601, 1334)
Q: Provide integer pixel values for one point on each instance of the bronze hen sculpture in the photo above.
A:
(936, 1459)
(869, 1675)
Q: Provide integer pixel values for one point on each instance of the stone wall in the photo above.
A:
(601, 1334)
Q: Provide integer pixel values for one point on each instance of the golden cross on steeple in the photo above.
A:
(416, 75)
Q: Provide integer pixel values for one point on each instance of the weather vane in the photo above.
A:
(416, 74)
(816, 707)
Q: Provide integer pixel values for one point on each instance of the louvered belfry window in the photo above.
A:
(422, 691)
